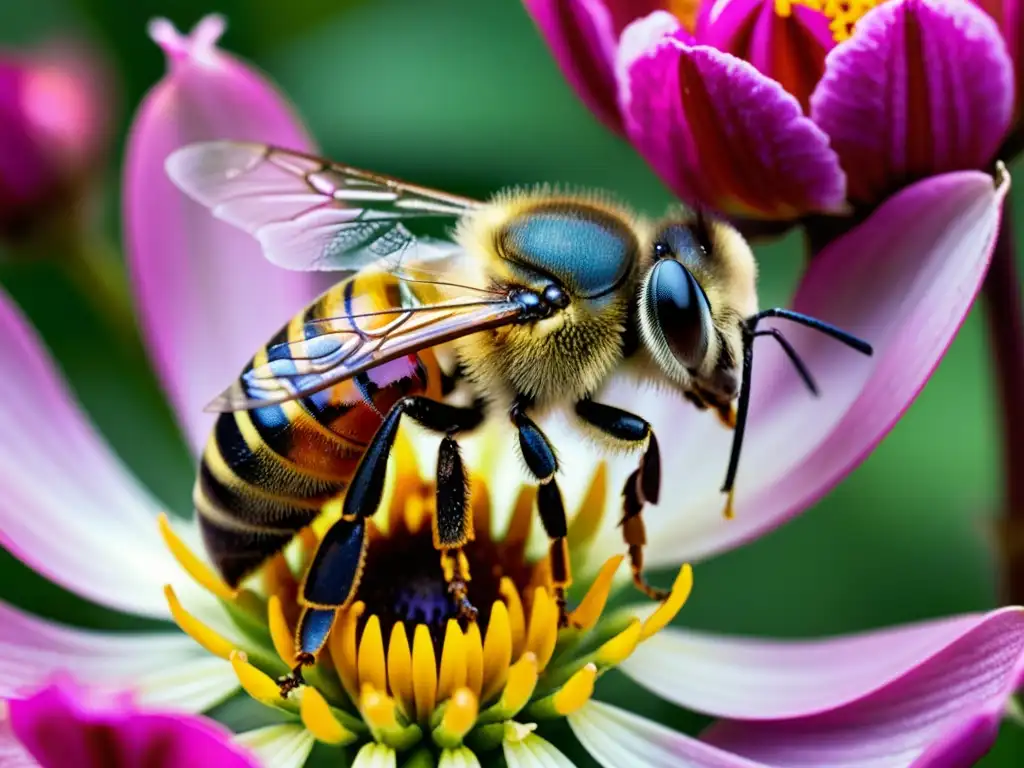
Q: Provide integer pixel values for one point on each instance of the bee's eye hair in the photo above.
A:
(702, 230)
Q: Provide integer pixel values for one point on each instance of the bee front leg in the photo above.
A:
(543, 464)
(642, 486)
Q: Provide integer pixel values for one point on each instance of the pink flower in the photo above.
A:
(758, 113)
(919, 695)
(193, 273)
(55, 115)
(64, 725)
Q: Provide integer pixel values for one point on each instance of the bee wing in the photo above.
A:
(336, 349)
(309, 213)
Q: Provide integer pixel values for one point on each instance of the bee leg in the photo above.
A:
(453, 525)
(642, 486)
(543, 464)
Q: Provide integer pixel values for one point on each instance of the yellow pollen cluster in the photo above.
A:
(462, 690)
(842, 14)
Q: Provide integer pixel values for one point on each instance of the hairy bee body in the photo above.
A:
(265, 473)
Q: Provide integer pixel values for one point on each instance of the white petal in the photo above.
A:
(617, 738)
(164, 669)
(279, 746)
(375, 755)
(69, 508)
(534, 752)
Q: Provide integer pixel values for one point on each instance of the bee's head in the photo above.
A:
(699, 286)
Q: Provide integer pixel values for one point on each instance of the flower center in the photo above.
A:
(842, 14)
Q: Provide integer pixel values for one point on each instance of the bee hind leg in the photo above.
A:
(643, 486)
(543, 464)
(453, 525)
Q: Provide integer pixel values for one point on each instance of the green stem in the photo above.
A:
(1006, 332)
(100, 276)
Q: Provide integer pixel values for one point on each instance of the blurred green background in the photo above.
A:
(463, 95)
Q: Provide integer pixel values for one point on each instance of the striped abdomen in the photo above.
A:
(266, 473)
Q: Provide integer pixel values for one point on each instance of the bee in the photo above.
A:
(530, 302)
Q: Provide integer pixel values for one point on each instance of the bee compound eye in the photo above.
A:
(679, 309)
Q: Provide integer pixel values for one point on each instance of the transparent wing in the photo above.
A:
(312, 214)
(336, 349)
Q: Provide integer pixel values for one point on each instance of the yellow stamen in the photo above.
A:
(280, 632)
(522, 680)
(667, 611)
(371, 664)
(543, 630)
(577, 692)
(473, 647)
(516, 616)
(257, 684)
(589, 610)
(620, 647)
(729, 512)
(462, 757)
(194, 628)
(459, 717)
(320, 721)
(843, 14)
(192, 565)
(342, 642)
(424, 672)
(400, 668)
(497, 651)
(453, 662)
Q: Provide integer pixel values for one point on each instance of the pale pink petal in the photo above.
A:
(943, 710)
(207, 297)
(162, 669)
(69, 507)
(718, 132)
(923, 87)
(903, 281)
(758, 679)
(64, 725)
(616, 738)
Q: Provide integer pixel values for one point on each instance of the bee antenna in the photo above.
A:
(798, 363)
(743, 407)
(812, 322)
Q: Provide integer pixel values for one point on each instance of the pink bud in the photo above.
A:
(55, 116)
(206, 296)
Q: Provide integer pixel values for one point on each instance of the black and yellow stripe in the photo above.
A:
(266, 473)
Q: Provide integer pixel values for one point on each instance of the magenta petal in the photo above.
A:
(63, 726)
(923, 87)
(941, 711)
(206, 296)
(903, 280)
(718, 132)
(582, 37)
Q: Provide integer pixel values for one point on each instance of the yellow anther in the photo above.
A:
(576, 692)
(460, 714)
(256, 683)
(424, 672)
(589, 610)
(497, 650)
(620, 647)
(320, 721)
(843, 15)
(452, 673)
(194, 628)
(191, 564)
(667, 611)
(371, 664)
(400, 668)
(516, 616)
(542, 633)
(280, 632)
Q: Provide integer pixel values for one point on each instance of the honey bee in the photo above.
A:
(530, 302)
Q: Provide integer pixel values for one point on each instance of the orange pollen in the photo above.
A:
(842, 14)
